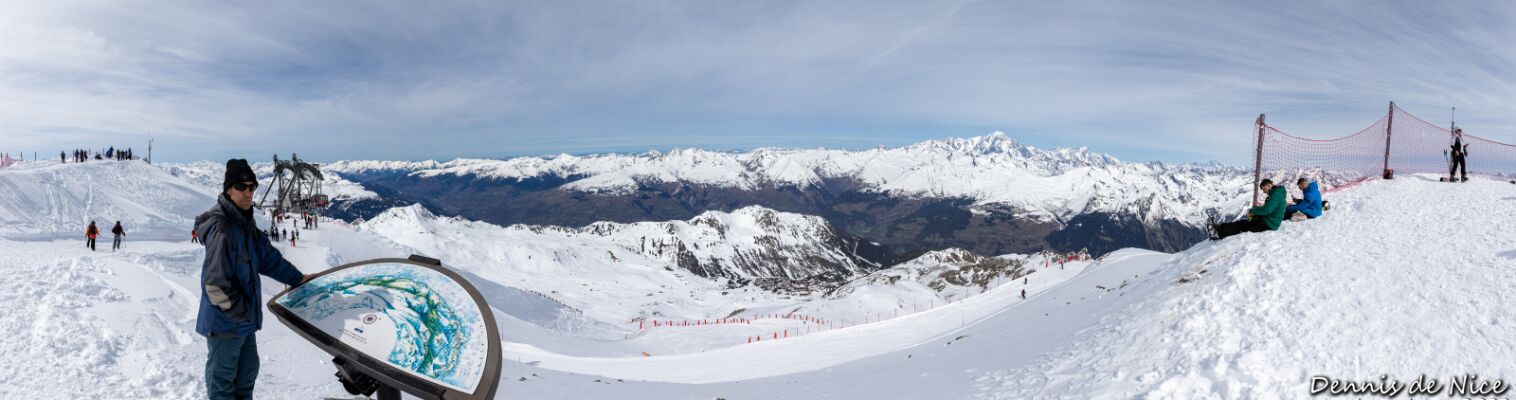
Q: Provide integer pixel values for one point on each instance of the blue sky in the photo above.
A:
(1142, 80)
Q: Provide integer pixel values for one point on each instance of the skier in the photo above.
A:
(230, 311)
(1023, 294)
(62, 157)
(194, 236)
(1310, 203)
(90, 233)
(1460, 151)
(1262, 218)
(118, 233)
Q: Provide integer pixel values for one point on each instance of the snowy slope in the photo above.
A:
(46, 200)
(992, 169)
(1402, 277)
(1353, 295)
(1395, 270)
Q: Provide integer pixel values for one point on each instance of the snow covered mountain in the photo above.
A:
(951, 274)
(750, 245)
(992, 169)
(987, 194)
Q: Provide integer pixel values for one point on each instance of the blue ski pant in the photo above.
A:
(231, 368)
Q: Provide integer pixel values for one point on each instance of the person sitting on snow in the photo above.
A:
(1308, 205)
(1262, 218)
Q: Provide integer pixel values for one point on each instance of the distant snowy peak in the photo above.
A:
(752, 244)
(1000, 147)
(1056, 184)
(759, 166)
(413, 219)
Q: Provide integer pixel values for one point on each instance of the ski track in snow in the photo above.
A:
(121, 325)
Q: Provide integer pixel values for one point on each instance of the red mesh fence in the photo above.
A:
(1414, 146)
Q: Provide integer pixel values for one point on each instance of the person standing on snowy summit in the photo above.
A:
(118, 232)
(1262, 218)
(1310, 202)
(236, 252)
(1460, 151)
(89, 234)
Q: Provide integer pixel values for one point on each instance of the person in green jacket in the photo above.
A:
(1262, 218)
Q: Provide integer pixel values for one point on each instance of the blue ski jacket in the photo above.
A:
(1310, 202)
(236, 252)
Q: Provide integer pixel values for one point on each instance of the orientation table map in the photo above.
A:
(411, 317)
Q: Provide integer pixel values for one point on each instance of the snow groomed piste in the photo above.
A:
(398, 324)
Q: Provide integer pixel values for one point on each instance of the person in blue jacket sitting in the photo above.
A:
(1310, 204)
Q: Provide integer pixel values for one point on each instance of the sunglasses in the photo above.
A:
(245, 186)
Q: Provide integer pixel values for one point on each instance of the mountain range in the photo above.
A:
(988, 194)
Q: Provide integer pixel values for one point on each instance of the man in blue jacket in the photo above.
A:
(236, 252)
(1309, 204)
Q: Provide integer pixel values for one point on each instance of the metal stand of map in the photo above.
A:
(387, 393)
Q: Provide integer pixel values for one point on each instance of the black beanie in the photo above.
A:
(237, 171)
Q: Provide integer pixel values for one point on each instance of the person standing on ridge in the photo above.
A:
(1460, 151)
(118, 232)
(89, 234)
(236, 252)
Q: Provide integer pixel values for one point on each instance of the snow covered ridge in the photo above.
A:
(953, 274)
(747, 244)
(992, 169)
(49, 200)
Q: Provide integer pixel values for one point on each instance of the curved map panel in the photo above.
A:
(412, 317)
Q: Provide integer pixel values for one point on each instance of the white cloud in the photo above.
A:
(1164, 80)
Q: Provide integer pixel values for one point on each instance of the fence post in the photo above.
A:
(1388, 128)
(1257, 158)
